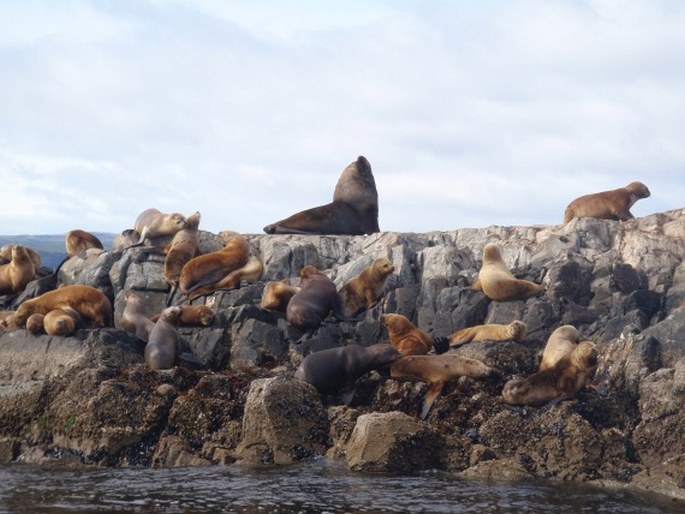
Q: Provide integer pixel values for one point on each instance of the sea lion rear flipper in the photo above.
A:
(431, 395)
(347, 394)
(441, 344)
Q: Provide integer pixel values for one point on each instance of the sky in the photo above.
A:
(471, 113)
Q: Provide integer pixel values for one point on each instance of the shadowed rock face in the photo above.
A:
(89, 398)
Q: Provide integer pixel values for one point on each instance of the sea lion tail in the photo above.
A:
(441, 344)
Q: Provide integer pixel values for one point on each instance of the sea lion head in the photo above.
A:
(568, 332)
(492, 253)
(585, 354)
(382, 267)
(178, 220)
(193, 221)
(308, 271)
(638, 189)
(171, 314)
(383, 354)
(396, 324)
(516, 330)
(206, 315)
(515, 390)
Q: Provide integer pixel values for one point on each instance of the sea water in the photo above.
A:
(318, 487)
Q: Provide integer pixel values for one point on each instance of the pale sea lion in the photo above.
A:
(560, 344)
(18, 272)
(134, 318)
(152, 224)
(497, 282)
(363, 291)
(314, 301)
(561, 382)
(6, 256)
(34, 323)
(183, 247)
(438, 370)
(514, 331)
(330, 370)
(406, 338)
(354, 209)
(277, 294)
(60, 322)
(163, 346)
(89, 302)
(611, 205)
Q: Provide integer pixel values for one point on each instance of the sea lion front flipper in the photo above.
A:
(441, 344)
(431, 395)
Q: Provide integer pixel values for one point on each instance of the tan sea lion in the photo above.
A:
(18, 272)
(194, 315)
(183, 247)
(354, 209)
(314, 301)
(60, 322)
(276, 295)
(514, 331)
(152, 224)
(163, 346)
(560, 344)
(437, 370)
(497, 282)
(610, 205)
(211, 268)
(7, 320)
(34, 323)
(134, 319)
(331, 369)
(6, 256)
(561, 382)
(250, 272)
(89, 302)
(363, 291)
(405, 337)
(77, 241)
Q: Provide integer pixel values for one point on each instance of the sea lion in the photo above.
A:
(497, 282)
(560, 382)
(18, 272)
(89, 302)
(560, 343)
(211, 268)
(163, 346)
(514, 331)
(407, 338)
(354, 209)
(363, 291)
(34, 323)
(314, 301)
(77, 241)
(329, 370)
(610, 205)
(194, 315)
(438, 370)
(134, 319)
(250, 272)
(152, 224)
(60, 322)
(183, 247)
(6, 256)
(276, 295)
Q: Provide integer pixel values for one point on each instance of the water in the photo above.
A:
(320, 487)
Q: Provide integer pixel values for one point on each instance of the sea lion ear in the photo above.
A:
(441, 344)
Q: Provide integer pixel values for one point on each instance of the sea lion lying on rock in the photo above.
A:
(514, 331)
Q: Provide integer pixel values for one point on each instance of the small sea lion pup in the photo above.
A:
(609, 205)
(437, 370)
(409, 339)
(276, 295)
(561, 382)
(363, 291)
(330, 370)
(88, 302)
(315, 300)
(19, 272)
(163, 346)
(195, 315)
(183, 247)
(560, 344)
(497, 282)
(354, 209)
(134, 319)
(152, 224)
(6, 256)
(514, 331)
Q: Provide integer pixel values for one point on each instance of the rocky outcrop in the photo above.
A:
(89, 398)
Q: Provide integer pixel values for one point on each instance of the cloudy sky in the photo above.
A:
(470, 113)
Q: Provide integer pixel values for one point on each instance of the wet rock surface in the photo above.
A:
(90, 399)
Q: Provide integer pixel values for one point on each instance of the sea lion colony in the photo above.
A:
(409, 352)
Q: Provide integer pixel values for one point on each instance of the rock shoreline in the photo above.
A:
(89, 399)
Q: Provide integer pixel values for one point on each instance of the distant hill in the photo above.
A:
(51, 247)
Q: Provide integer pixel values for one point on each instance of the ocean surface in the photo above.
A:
(319, 487)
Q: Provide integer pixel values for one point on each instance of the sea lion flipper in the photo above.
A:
(431, 395)
(441, 344)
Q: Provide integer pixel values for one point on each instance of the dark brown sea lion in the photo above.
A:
(330, 370)
(406, 338)
(89, 302)
(561, 382)
(163, 345)
(610, 205)
(514, 331)
(437, 370)
(497, 282)
(363, 291)
(314, 301)
(354, 209)
(18, 272)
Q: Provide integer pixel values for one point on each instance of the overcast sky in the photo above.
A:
(470, 113)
